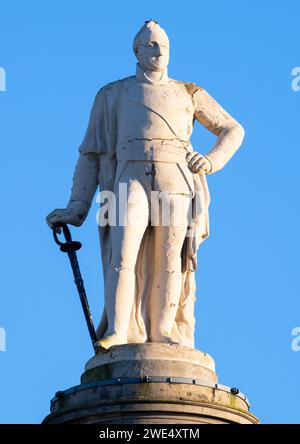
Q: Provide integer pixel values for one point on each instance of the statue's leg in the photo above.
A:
(167, 274)
(120, 283)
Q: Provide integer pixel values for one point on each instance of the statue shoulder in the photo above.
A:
(112, 89)
(191, 87)
(115, 85)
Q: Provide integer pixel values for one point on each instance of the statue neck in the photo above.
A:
(152, 77)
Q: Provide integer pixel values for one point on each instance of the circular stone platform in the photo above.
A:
(150, 384)
(150, 359)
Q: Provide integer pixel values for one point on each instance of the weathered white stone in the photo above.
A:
(139, 135)
(146, 369)
(150, 359)
(163, 352)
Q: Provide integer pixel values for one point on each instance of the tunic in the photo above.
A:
(135, 121)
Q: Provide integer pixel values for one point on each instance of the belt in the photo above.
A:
(149, 150)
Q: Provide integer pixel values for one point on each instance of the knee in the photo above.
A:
(122, 267)
(123, 260)
(172, 259)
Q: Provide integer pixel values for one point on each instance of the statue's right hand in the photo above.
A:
(65, 215)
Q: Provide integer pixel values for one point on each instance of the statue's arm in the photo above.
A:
(229, 132)
(85, 184)
(85, 178)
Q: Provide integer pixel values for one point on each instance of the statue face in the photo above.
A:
(153, 50)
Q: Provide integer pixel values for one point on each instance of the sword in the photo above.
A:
(70, 247)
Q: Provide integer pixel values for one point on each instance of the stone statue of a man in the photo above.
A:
(139, 136)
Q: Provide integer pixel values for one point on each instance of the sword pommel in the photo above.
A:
(69, 245)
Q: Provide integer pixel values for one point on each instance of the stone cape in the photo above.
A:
(101, 139)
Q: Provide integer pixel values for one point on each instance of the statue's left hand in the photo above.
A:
(198, 163)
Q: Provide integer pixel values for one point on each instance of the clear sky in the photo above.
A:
(56, 56)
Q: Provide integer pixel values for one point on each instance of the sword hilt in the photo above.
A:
(69, 245)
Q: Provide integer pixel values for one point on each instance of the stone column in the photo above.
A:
(150, 383)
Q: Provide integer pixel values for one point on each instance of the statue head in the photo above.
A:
(151, 47)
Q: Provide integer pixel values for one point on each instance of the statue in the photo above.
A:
(139, 136)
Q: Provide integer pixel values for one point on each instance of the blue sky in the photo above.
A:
(56, 56)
